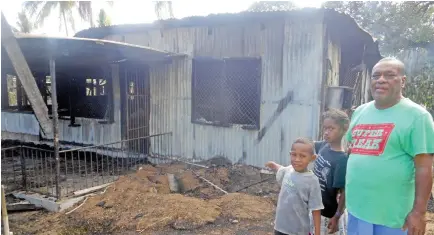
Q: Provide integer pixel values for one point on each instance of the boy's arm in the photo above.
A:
(279, 169)
(273, 166)
(315, 204)
(339, 183)
(316, 215)
(341, 203)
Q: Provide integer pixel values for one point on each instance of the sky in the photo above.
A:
(134, 12)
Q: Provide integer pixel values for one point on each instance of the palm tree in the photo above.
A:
(42, 9)
(85, 10)
(161, 7)
(103, 19)
(24, 23)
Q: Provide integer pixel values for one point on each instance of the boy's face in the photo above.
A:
(301, 156)
(332, 131)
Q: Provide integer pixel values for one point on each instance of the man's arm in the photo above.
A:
(423, 166)
(420, 145)
(415, 221)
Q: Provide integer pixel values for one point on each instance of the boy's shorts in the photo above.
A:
(360, 227)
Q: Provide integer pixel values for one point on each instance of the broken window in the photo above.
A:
(46, 90)
(95, 87)
(16, 96)
(12, 85)
(226, 92)
(79, 95)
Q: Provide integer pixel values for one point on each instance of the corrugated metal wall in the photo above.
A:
(292, 60)
(20, 123)
(89, 131)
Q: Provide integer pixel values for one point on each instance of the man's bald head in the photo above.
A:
(388, 81)
(396, 62)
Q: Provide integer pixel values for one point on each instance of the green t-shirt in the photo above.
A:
(380, 180)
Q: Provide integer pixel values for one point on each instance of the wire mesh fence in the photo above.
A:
(34, 169)
(226, 91)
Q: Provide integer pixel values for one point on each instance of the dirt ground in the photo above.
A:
(142, 203)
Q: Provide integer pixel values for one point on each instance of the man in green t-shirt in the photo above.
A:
(389, 171)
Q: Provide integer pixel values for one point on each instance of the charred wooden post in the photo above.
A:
(25, 76)
(23, 168)
(4, 88)
(55, 123)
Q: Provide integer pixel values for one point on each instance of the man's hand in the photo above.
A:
(333, 225)
(415, 223)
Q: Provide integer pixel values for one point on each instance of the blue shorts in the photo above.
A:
(359, 227)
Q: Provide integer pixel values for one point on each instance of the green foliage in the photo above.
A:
(421, 89)
(397, 25)
(103, 19)
(40, 10)
(163, 7)
(400, 27)
(25, 25)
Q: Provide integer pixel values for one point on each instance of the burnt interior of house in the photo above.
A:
(85, 89)
(85, 86)
(82, 92)
(227, 91)
(357, 52)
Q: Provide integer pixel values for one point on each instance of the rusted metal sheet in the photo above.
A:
(292, 60)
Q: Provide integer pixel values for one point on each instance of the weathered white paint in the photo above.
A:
(20, 123)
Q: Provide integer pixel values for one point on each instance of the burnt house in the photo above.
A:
(243, 86)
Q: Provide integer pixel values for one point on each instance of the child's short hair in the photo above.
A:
(340, 117)
(304, 140)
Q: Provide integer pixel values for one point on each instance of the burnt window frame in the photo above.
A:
(43, 82)
(222, 98)
(22, 102)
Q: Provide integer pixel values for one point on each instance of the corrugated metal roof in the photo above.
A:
(342, 25)
(218, 20)
(70, 51)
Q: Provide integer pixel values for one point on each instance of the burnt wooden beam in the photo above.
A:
(22, 207)
(25, 76)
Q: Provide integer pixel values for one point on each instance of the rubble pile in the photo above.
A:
(146, 200)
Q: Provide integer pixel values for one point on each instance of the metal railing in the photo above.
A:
(34, 169)
(28, 168)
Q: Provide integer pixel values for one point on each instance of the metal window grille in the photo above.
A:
(226, 91)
